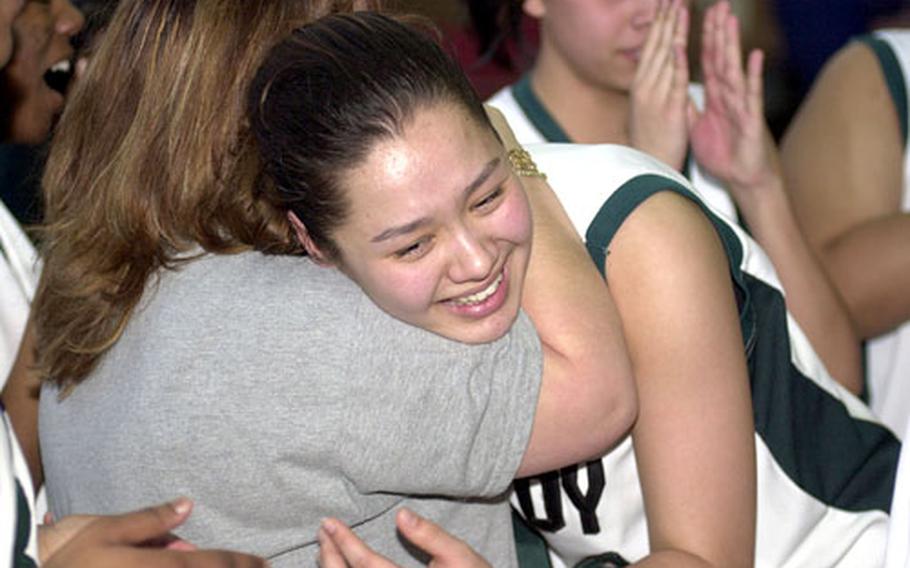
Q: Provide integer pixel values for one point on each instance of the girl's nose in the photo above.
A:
(68, 19)
(471, 260)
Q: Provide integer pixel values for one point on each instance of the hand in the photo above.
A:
(339, 547)
(659, 96)
(730, 138)
(52, 536)
(137, 539)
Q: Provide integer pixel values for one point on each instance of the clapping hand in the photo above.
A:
(660, 107)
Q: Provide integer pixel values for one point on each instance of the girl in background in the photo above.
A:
(616, 72)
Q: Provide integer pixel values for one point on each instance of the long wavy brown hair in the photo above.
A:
(153, 162)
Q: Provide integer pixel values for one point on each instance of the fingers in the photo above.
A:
(733, 57)
(662, 75)
(657, 113)
(708, 51)
(142, 526)
(329, 554)
(727, 87)
(651, 42)
(122, 540)
(755, 83)
(445, 549)
(657, 59)
(339, 547)
(680, 59)
(178, 544)
(681, 31)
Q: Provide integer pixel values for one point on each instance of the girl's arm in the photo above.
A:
(20, 398)
(587, 400)
(842, 158)
(731, 140)
(694, 438)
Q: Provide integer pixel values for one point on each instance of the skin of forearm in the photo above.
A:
(582, 301)
(811, 296)
(588, 393)
(673, 559)
(20, 398)
(870, 266)
(563, 290)
(586, 365)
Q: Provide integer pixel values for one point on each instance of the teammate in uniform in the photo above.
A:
(617, 72)
(825, 467)
(745, 450)
(847, 165)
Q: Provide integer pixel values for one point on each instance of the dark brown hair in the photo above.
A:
(333, 89)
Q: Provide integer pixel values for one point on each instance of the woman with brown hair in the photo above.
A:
(176, 357)
(79, 541)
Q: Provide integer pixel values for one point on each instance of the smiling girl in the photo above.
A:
(177, 357)
(745, 451)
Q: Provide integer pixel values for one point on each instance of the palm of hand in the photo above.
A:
(657, 115)
(729, 143)
(729, 139)
(715, 142)
(659, 130)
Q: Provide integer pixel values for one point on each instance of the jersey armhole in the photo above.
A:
(894, 78)
(614, 212)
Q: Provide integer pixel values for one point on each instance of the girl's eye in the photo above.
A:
(414, 251)
(489, 198)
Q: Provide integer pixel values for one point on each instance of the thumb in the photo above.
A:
(147, 524)
(444, 548)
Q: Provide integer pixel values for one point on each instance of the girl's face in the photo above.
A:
(599, 40)
(439, 229)
(43, 32)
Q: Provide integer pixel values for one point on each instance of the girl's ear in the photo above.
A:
(537, 9)
(306, 241)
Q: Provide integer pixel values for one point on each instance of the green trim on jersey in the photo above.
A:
(537, 113)
(894, 77)
(630, 195)
(531, 547)
(23, 530)
(839, 460)
(544, 122)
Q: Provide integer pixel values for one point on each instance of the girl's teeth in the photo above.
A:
(62, 66)
(482, 295)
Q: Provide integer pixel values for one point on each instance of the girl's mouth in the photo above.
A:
(479, 297)
(59, 75)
